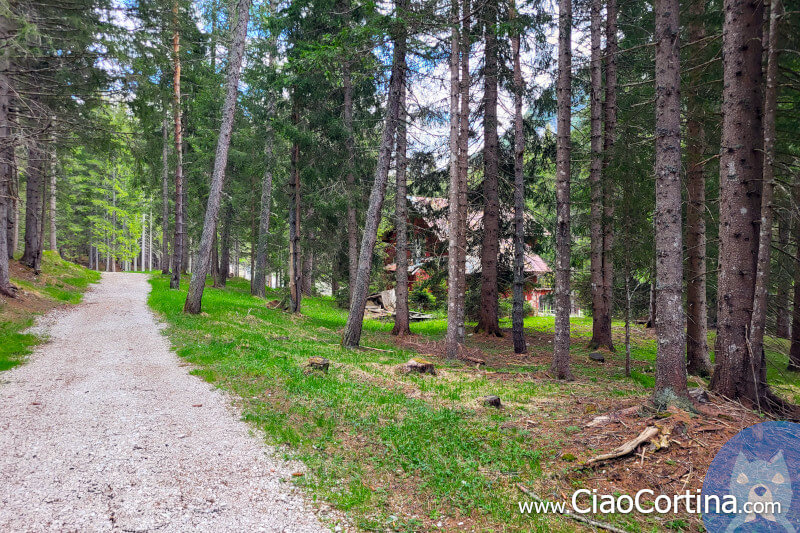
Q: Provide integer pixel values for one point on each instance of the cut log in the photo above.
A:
(647, 434)
(419, 366)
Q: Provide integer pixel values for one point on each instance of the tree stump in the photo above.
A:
(318, 363)
(597, 356)
(419, 366)
(492, 401)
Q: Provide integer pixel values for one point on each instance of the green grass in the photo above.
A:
(397, 452)
(360, 438)
(15, 345)
(372, 440)
(59, 282)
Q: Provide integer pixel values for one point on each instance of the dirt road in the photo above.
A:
(104, 429)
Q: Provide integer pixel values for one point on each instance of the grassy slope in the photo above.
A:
(400, 452)
(60, 282)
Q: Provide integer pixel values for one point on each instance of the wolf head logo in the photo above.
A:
(761, 482)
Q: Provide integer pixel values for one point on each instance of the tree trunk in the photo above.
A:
(758, 319)
(739, 201)
(670, 358)
(12, 205)
(488, 320)
(628, 297)
(177, 246)
(610, 134)
(259, 282)
(308, 263)
(463, 170)
(144, 241)
(401, 319)
(561, 344)
(794, 347)
(225, 246)
(601, 314)
(53, 178)
(214, 258)
(783, 316)
(6, 172)
(295, 271)
(352, 331)
(13, 230)
(352, 220)
(698, 360)
(518, 311)
(34, 193)
(165, 194)
(198, 282)
(452, 340)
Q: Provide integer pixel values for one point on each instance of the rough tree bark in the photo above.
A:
(295, 270)
(352, 330)
(215, 258)
(454, 215)
(463, 169)
(488, 319)
(235, 53)
(6, 169)
(794, 347)
(609, 138)
(352, 217)
(12, 235)
(308, 260)
(177, 243)
(259, 283)
(518, 311)
(601, 314)
(165, 194)
(401, 319)
(739, 200)
(758, 319)
(670, 355)
(560, 367)
(225, 247)
(783, 316)
(52, 211)
(34, 193)
(698, 360)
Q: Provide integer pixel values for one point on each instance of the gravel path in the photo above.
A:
(104, 430)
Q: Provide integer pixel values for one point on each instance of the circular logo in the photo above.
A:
(753, 483)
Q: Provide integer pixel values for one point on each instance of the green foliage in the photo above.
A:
(421, 297)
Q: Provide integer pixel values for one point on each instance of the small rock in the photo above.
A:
(420, 366)
(597, 356)
(699, 395)
(492, 401)
(318, 363)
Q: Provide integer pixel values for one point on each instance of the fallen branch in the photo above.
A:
(648, 433)
(569, 514)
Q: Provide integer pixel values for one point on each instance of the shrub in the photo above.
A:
(422, 297)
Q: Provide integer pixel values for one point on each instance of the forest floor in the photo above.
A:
(423, 453)
(104, 429)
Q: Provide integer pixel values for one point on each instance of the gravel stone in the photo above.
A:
(105, 430)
